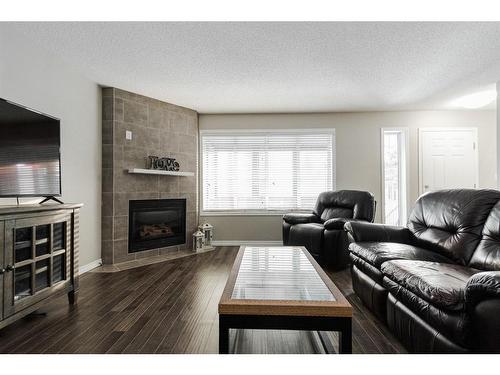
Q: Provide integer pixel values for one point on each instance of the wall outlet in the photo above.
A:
(128, 135)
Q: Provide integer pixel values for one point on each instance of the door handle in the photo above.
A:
(9, 268)
(2, 271)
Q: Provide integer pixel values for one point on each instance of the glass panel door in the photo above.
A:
(39, 257)
(394, 176)
(36, 260)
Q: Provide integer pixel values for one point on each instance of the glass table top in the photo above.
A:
(279, 273)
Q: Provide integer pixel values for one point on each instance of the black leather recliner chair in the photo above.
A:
(435, 283)
(321, 231)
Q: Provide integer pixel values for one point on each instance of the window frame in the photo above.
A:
(404, 172)
(258, 212)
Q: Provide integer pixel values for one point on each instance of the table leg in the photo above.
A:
(223, 336)
(345, 338)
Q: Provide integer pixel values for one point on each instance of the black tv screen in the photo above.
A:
(30, 163)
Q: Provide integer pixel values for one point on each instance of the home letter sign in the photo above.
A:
(167, 164)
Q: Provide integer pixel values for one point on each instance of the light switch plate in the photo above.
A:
(128, 135)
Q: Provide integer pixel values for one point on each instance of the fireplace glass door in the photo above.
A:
(156, 223)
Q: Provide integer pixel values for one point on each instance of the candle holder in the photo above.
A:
(207, 230)
(198, 238)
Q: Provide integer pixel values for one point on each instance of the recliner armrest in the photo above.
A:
(482, 286)
(362, 231)
(482, 304)
(338, 223)
(296, 218)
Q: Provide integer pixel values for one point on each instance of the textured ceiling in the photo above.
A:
(282, 67)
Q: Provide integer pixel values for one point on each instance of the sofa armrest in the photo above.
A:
(362, 231)
(482, 286)
(339, 222)
(482, 303)
(296, 218)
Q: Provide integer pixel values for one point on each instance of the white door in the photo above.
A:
(448, 159)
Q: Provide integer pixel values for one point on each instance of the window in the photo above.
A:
(394, 172)
(265, 170)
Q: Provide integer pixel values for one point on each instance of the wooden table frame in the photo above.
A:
(284, 314)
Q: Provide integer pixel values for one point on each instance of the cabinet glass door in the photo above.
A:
(38, 261)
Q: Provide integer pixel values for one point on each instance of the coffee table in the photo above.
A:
(282, 288)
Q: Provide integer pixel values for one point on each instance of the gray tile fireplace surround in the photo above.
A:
(159, 129)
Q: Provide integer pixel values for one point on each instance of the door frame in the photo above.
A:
(421, 131)
(406, 201)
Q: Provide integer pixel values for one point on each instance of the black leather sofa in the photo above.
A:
(322, 231)
(435, 283)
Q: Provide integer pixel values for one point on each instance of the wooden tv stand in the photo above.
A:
(38, 257)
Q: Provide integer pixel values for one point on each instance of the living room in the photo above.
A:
(249, 187)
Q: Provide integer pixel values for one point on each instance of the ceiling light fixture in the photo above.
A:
(476, 100)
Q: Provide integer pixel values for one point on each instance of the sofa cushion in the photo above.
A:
(487, 255)
(442, 285)
(451, 221)
(377, 253)
(308, 235)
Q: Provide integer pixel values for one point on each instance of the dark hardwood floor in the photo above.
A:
(170, 307)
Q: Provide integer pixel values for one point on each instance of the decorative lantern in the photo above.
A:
(207, 230)
(198, 238)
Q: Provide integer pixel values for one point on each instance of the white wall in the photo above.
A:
(358, 154)
(32, 77)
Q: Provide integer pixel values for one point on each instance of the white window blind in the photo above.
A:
(266, 171)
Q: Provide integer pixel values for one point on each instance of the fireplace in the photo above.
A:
(156, 223)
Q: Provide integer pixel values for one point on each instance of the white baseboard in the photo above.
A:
(244, 242)
(90, 266)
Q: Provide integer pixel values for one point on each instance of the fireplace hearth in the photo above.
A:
(156, 223)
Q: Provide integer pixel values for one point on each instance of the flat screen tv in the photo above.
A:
(30, 158)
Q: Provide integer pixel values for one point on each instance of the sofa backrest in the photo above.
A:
(487, 255)
(351, 204)
(451, 222)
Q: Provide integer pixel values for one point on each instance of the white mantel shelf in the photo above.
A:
(160, 172)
